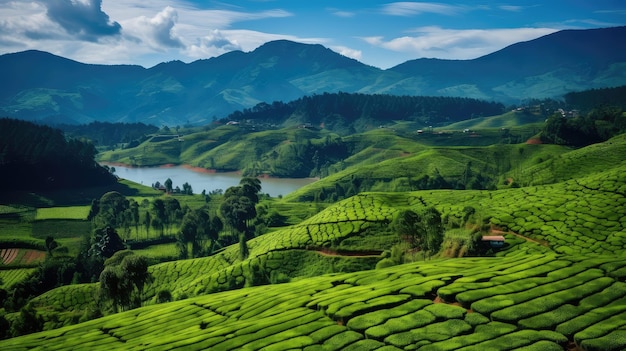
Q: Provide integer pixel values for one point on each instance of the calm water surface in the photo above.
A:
(205, 181)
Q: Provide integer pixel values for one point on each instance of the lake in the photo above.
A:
(205, 181)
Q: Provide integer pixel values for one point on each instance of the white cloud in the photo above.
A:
(345, 14)
(348, 52)
(457, 43)
(214, 44)
(511, 8)
(406, 8)
(158, 32)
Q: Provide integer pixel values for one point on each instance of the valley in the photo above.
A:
(376, 219)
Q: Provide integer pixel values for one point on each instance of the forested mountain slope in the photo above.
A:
(44, 87)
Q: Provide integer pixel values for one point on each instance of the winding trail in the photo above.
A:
(539, 242)
(325, 251)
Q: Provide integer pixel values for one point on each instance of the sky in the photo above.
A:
(378, 33)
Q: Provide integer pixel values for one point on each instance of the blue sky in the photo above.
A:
(378, 33)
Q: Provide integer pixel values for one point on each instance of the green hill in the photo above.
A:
(567, 218)
(510, 119)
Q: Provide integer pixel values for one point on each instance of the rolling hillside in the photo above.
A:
(558, 283)
(334, 273)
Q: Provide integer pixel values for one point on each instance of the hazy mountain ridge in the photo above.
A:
(44, 87)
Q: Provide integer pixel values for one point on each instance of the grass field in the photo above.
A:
(69, 212)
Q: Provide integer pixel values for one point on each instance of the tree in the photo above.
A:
(160, 213)
(197, 226)
(243, 247)
(431, 223)
(135, 270)
(168, 185)
(424, 230)
(94, 209)
(111, 207)
(122, 281)
(134, 212)
(110, 286)
(51, 244)
(106, 243)
(172, 211)
(238, 210)
(407, 225)
(187, 190)
(251, 188)
(27, 322)
(147, 222)
(238, 206)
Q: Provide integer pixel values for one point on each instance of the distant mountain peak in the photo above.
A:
(42, 86)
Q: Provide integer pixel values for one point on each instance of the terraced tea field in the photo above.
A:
(539, 302)
(8, 277)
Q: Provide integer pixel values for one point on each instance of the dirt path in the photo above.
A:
(500, 232)
(324, 251)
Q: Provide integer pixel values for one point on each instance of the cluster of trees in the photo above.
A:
(471, 178)
(346, 113)
(589, 100)
(123, 279)
(60, 270)
(600, 116)
(34, 157)
(239, 209)
(598, 125)
(110, 134)
(169, 187)
(300, 159)
(198, 229)
(422, 231)
(115, 210)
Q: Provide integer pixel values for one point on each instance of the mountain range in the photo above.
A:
(39, 86)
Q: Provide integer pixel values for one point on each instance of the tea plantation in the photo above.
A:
(558, 283)
(535, 302)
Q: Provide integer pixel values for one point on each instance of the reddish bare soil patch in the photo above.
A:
(34, 256)
(199, 169)
(534, 141)
(440, 300)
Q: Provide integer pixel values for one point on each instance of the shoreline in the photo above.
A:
(196, 169)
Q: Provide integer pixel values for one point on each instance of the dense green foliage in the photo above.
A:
(39, 157)
(345, 113)
(589, 100)
(103, 134)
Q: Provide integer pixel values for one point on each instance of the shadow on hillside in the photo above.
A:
(65, 197)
